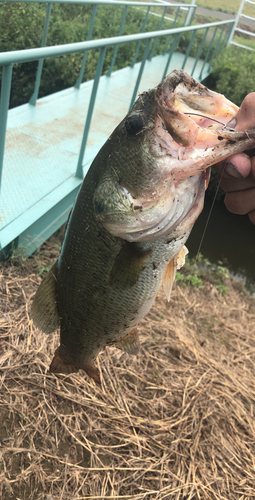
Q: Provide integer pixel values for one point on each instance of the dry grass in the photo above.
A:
(176, 422)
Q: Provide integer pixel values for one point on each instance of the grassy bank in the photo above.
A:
(175, 422)
(228, 6)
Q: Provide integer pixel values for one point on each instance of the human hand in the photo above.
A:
(238, 178)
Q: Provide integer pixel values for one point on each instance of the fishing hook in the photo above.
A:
(208, 117)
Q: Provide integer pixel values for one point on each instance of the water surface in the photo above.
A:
(229, 238)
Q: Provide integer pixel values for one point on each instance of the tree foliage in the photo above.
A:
(21, 27)
(233, 74)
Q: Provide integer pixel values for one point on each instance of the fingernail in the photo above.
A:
(231, 124)
(232, 170)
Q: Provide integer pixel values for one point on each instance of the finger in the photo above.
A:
(245, 118)
(239, 202)
(234, 183)
(230, 185)
(253, 167)
(252, 216)
(238, 166)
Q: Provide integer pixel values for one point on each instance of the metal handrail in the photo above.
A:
(7, 59)
(191, 9)
(235, 27)
(245, 32)
(103, 2)
(26, 55)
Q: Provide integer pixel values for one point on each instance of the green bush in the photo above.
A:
(21, 27)
(233, 74)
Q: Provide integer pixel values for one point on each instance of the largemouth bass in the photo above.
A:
(134, 212)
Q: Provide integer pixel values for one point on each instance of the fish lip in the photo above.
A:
(178, 94)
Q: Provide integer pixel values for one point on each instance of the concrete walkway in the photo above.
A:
(43, 143)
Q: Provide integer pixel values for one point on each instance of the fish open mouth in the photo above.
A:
(191, 125)
(181, 129)
(191, 121)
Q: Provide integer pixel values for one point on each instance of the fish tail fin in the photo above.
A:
(44, 312)
(93, 372)
(60, 365)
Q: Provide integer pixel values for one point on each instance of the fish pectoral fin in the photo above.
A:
(44, 311)
(130, 343)
(59, 365)
(176, 263)
(128, 265)
(180, 261)
(169, 278)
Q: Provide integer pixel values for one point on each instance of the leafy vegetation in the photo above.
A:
(199, 269)
(233, 74)
(21, 27)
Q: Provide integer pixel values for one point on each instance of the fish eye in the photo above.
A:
(134, 124)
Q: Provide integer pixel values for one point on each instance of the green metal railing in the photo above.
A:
(244, 18)
(190, 8)
(7, 59)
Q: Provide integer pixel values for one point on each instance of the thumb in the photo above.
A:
(245, 118)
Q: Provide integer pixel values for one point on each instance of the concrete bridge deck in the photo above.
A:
(43, 143)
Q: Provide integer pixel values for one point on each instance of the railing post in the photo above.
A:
(208, 52)
(175, 43)
(159, 29)
(116, 46)
(236, 21)
(4, 106)
(190, 15)
(84, 59)
(226, 37)
(172, 27)
(145, 55)
(100, 62)
(139, 43)
(229, 35)
(199, 51)
(189, 49)
(215, 49)
(40, 64)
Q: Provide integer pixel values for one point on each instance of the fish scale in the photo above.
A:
(132, 217)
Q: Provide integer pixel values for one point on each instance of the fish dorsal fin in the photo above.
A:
(44, 311)
(176, 263)
(130, 343)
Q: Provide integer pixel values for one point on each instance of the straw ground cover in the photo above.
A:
(176, 422)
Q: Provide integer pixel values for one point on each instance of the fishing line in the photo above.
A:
(208, 117)
(218, 186)
(209, 215)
